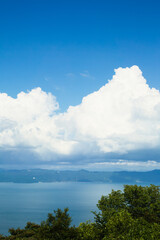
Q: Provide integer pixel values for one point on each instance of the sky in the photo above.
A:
(79, 84)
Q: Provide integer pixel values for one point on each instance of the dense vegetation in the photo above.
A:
(133, 214)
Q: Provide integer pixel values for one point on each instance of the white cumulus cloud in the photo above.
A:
(122, 116)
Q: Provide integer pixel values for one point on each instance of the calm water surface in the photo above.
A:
(20, 203)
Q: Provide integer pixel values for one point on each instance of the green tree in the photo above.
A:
(143, 202)
(57, 226)
(87, 231)
(131, 214)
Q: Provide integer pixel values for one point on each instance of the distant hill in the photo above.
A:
(41, 175)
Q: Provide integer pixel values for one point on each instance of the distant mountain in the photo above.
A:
(41, 175)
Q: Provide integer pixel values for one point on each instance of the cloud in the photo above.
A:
(85, 74)
(121, 117)
(70, 75)
(125, 165)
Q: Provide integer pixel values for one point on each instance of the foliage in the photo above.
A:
(132, 214)
(57, 226)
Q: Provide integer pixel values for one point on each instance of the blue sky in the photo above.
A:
(71, 48)
(43, 41)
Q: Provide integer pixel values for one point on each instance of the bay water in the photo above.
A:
(20, 203)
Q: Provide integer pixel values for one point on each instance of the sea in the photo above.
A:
(21, 203)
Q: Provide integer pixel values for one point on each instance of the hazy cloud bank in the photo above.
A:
(121, 117)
